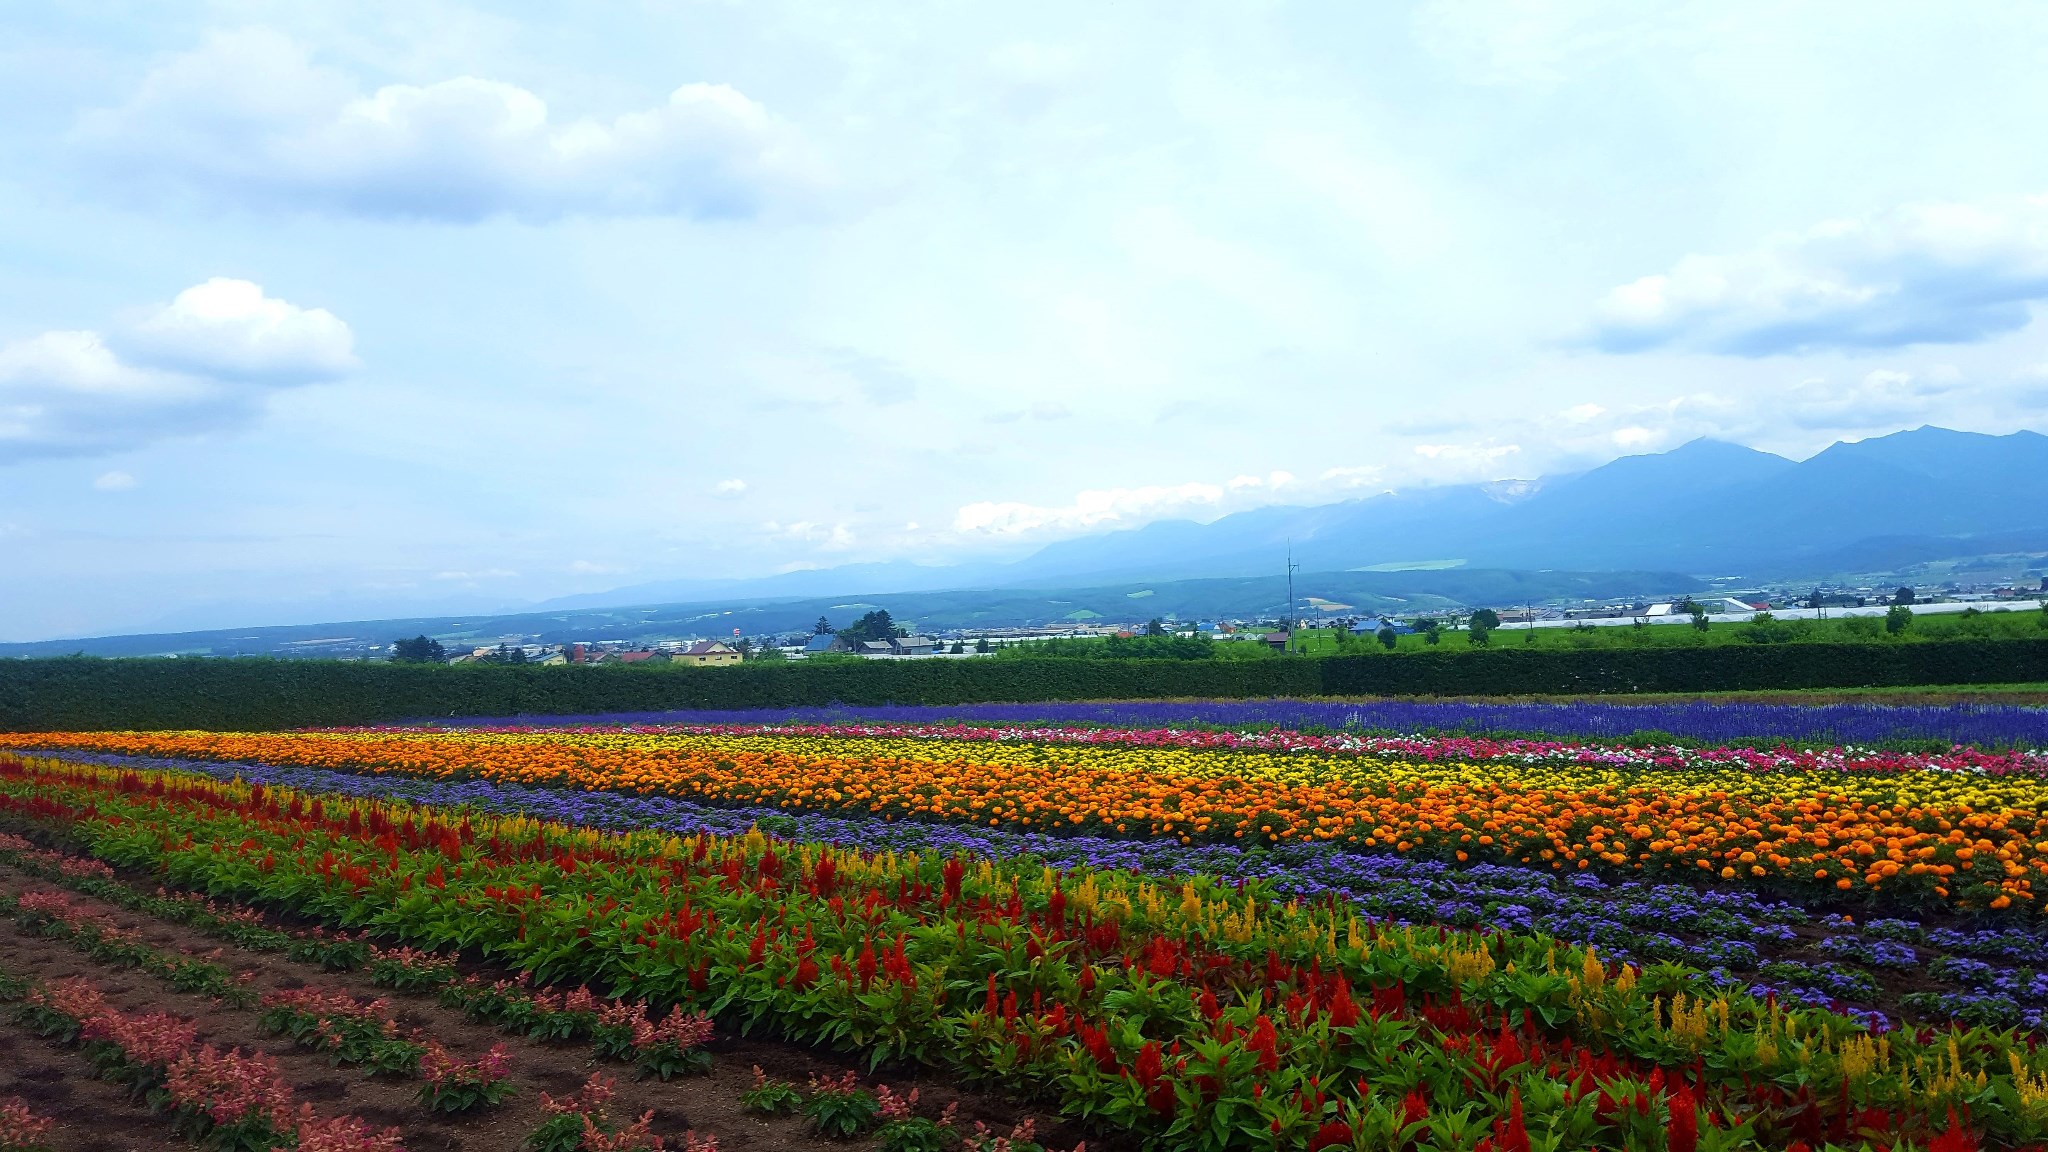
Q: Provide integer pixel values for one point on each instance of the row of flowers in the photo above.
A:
(1212, 1015)
(1416, 748)
(1918, 840)
(1737, 936)
(226, 1099)
(1721, 720)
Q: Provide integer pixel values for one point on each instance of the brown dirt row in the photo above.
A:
(707, 1104)
(91, 1115)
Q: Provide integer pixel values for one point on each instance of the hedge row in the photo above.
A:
(83, 693)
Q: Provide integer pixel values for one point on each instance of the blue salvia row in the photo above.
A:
(1985, 725)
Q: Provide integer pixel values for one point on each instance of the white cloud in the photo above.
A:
(1538, 44)
(1633, 436)
(1042, 410)
(729, 489)
(1456, 452)
(1270, 482)
(829, 538)
(1089, 509)
(1354, 476)
(248, 117)
(229, 329)
(204, 362)
(113, 482)
(591, 568)
(1883, 398)
(1919, 274)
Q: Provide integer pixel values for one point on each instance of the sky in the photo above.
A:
(318, 310)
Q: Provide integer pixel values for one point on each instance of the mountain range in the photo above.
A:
(1705, 508)
(1657, 524)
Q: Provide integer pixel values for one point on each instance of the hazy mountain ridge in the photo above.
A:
(1704, 507)
(1653, 523)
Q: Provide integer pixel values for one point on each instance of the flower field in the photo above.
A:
(1963, 831)
(1203, 1012)
(1196, 937)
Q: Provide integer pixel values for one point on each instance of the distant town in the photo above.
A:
(841, 639)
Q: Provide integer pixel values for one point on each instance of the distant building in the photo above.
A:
(707, 652)
(827, 642)
(913, 645)
(635, 657)
(877, 648)
(1276, 640)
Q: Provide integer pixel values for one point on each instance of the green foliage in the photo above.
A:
(89, 694)
(915, 1134)
(1151, 646)
(840, 1110)
(418, 650)
(770, 1097)
(875, 625)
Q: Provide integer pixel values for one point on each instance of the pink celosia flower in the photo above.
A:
(343, 1134)
(19, 1126)
(588, 1100)
(635, 1137)
(231, 1086)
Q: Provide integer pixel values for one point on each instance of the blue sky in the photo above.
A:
(319, 310)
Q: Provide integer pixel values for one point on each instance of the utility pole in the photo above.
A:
(1292, 645)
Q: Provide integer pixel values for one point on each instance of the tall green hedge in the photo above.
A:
(76, 693)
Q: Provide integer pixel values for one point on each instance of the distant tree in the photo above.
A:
(1814, 599)
(770, 654)
(745, 646)
(1482, 623)
(958, 649)
(418, 650)
(1432, 632)
(1903, 596)
(506, 654)
(1386, 637)
(874, 625)
(1155, 627)
(981, 646)
(1700, 623)
(1898, 617)
(822, 628)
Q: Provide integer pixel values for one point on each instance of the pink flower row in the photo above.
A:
(1419, 748)
(229, 1087)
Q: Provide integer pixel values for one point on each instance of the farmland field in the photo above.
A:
(1254, 925)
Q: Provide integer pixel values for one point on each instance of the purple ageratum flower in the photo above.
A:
(1987, 725)
(1882, 953)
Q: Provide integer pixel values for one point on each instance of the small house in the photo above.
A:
(825, 642)
(704, 653)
